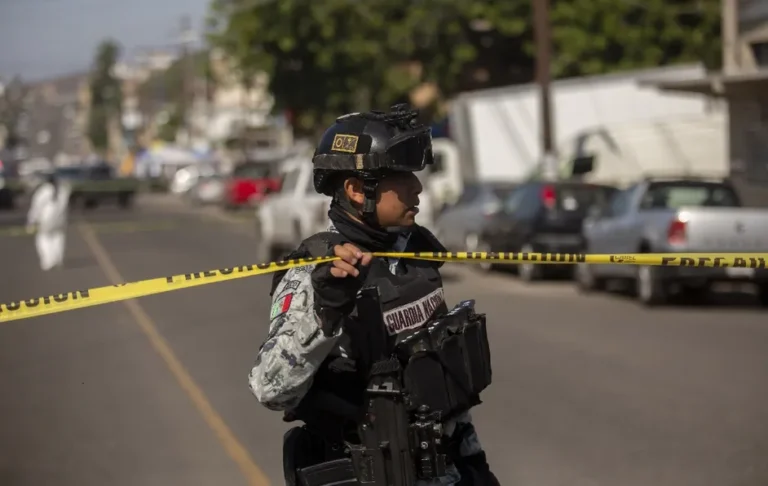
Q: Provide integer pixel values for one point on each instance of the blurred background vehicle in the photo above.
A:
(250, 182)
(459, 225)
(7, 192)
(207, 190)
(187, 177)
(94, 185)
(541, 216)
(293, 213)
(670, 215)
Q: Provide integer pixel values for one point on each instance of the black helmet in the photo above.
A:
(369, 145)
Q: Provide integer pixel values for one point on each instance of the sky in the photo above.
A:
(40, 39)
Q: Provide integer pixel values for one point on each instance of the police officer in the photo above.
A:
(309, 364)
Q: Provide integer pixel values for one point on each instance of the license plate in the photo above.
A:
(739, 272)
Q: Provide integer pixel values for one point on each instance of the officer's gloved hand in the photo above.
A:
(336, 285)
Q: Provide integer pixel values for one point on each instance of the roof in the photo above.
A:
(751, 13)
(717, 84)
(686, 178)
(671, 72)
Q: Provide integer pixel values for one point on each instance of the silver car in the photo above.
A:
(458, 227)
(674, 216)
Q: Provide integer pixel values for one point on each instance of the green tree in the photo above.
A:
(602, 36)
(335, 56)
(12, 97)
(106, 94)
(165, 91)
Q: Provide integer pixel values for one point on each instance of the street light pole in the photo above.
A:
(543, 40)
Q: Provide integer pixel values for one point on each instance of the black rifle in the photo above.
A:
(394, 451)
(401, 432)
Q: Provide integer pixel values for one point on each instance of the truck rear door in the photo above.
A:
(725, 229)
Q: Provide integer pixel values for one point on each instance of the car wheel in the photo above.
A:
(696, 294)
(586, 281)
(474, 243)
(485, 265)
(263, 247)
(651, 291)
(762, 294)
(529, 272)
(125, 201)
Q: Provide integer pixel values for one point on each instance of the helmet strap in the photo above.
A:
(369, 203)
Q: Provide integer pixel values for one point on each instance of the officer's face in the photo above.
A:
(397, 198)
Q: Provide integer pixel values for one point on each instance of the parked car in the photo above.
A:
(293, 213)
(11, 185)
(187, 177)
(459, 225)
(250, 183)
(207, 189)
(669, 216)
(93, 185)
(542, 217)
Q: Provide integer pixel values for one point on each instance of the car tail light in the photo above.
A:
(676, 232)
(548, 197)
(490, 209)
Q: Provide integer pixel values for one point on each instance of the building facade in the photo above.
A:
(54, 124)
(743, 83)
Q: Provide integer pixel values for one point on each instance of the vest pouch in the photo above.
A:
(477, 353)
(435, 372)
(422, 373)
(457, 380)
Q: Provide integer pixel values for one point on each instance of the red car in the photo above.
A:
(249, 183)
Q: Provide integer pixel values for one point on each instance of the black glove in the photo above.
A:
(334, 297)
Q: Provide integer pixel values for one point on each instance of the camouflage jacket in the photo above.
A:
(295, 347)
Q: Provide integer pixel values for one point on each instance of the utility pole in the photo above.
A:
(730, 34)
(543, 40)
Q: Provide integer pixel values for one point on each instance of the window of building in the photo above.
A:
(760, 51)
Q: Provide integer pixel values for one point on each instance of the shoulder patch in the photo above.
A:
(291, 285)
(281, 306)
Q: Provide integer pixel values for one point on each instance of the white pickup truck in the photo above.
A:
(669, 215)
(297, 212)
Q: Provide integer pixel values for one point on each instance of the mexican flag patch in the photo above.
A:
(281, 306)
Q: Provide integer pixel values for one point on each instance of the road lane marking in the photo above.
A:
(253, 474)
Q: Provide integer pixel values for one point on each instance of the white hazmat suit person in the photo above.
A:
(48, 216)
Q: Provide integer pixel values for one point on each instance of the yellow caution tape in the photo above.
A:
(79, 299)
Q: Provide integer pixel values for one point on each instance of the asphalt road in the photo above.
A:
(587, 390)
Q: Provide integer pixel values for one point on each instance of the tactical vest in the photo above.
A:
(408, 300)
